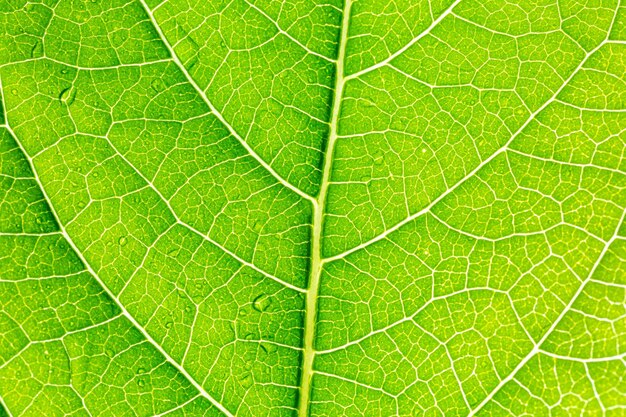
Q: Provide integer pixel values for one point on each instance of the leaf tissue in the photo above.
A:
(312, 208)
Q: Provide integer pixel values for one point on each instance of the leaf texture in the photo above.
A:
(312, 208)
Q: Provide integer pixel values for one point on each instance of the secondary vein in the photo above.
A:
(90, 269)
(217, 113)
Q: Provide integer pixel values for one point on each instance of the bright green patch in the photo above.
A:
(312, 208)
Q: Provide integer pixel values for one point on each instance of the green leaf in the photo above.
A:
(309, 208)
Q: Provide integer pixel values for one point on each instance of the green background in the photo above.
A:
(297, 207)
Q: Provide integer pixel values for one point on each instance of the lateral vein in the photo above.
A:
(218, 114)
(89, 268)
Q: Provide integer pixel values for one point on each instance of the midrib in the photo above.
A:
(318, 217)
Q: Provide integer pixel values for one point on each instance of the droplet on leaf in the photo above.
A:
(246, 380)
(157, 85)
(268, 347)
(257, 226)
(192, 64)
(261, 303)
(379, 157)
(67, 96)
(36, 50)
(122, 241)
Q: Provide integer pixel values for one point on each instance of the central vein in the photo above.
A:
(318, 217)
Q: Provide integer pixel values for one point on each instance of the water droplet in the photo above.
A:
(188, 309)
(64, 71)
(261, 303)
(67, 96)
(141, 371)
(246, 380)
(36, 50)
(110, 353)
(46, 353)
(192, 64)
(157, 85)
(249, 336)
(14, 91)
(169, 325)
(236, 194)
(257, 226)
(243, 311)
(268, 347)
(379, 157)
(122, 241)
(423, 150)
(141, 382)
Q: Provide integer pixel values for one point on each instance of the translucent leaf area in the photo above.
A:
(312, 208)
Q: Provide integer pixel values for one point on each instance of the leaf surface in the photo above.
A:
(309, 208)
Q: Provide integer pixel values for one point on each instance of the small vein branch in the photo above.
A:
(472, 173)
(218, 114)
(89, 268)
